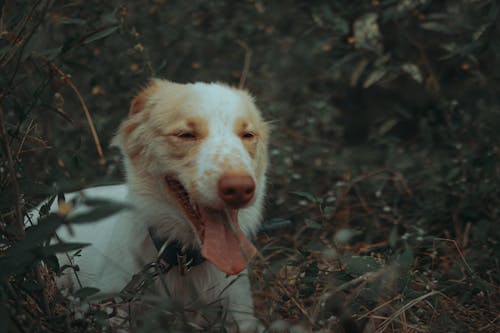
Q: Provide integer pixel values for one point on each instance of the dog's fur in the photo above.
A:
(193, 135)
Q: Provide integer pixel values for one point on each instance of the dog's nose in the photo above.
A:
(236, 190)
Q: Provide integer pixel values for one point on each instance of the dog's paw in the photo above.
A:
(250, 326)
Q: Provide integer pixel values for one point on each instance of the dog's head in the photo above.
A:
(201, 150)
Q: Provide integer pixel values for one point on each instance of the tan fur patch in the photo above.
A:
(139, 101)
(253, 122)
(128, 128)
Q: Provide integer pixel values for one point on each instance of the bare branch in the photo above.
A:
(13, 178)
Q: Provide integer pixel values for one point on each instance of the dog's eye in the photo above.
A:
(186, 136)
(247, 135)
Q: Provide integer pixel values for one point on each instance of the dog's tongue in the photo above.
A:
(229, 250)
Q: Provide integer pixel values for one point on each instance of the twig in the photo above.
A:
(85, 110)
(23, 140)
(19, 38)
(415, 327)
(43, 292)
(353, 182)
(405, 307)
(372, 311)
(369, 276)
(490, 324)
(286, 291)
(460, 253)
(246, 63)
(13, 178)
(362, 200)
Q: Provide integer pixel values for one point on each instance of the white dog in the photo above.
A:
(195, 158)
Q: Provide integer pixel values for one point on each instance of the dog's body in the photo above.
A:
(196, 158)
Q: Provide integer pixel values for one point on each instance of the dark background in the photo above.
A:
(384, 150)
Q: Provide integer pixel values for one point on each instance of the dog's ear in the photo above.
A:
(140, 100)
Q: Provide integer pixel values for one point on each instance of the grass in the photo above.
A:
(387, 248)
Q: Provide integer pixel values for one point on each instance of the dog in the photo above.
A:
(195, 157)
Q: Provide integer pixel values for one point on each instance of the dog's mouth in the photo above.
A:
(222, 241)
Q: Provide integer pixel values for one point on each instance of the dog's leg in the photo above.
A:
(240, 306)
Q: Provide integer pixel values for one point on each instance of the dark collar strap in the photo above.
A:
(174, 255)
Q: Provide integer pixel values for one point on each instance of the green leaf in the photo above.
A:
(357, 265)
(306, 195)
(51, 53)
(313, 225)
(393, 236)
(330, 253)
(387, 126)
(435, 26)
(314, 247)
(71, 20)
(36, 234)
(327, 210)
(374, 77)
(45, 208)
(275, 224)
(16, 264)
(61, 247)
(405, 260)
(344, 235)
(358, 70)
(53, 263)
(100, 34)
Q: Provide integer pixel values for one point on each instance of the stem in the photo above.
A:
(13, 178)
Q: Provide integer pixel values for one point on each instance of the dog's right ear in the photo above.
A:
(140, 100)
(137, 105)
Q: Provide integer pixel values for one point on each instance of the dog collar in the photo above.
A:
(174, 255)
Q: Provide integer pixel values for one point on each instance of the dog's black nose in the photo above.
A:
(236, 190)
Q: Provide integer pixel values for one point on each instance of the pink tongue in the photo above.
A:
(228, 252)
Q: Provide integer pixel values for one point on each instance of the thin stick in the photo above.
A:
(460, 253)
(372, 311)
(286, 291)
(405, 307)
(13, 178)
(85, 110)
(25, 135)
(246, 63)
(43, 293)
(369, 276)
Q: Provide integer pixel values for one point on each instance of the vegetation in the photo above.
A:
(385, 150)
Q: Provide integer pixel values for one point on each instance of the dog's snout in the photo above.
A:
(236, 190)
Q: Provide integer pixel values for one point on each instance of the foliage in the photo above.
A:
(385, 148)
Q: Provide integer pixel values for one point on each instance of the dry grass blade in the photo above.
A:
(403, 309)
(13, 177)
(460, 253)
(280, 283)
(286, 291)
(246, 63)
(381, 306)
(85, 110)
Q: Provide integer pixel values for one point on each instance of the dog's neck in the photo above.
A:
(174, 253)
(169, 223)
